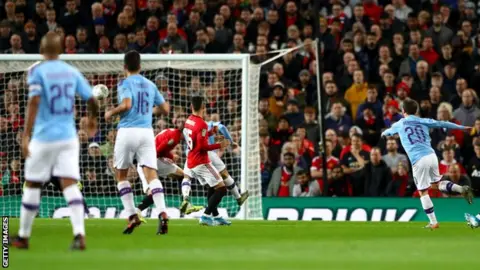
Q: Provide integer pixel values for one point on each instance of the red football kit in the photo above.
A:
(165, 141)
(196, 135)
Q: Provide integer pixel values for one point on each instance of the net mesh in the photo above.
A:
(219, 81)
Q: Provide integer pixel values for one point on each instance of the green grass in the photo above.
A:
(251, 245)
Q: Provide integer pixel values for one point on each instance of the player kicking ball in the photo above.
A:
(135, 139)
(199, 165)
(165, 142)
(214, 128)
(415, 138)
(54, 147)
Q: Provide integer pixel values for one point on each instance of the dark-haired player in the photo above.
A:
(165, 142)
(415, 138)
(135, 139)
(54, 147)
(196, 136)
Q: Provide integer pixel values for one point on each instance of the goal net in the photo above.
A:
(229, 83)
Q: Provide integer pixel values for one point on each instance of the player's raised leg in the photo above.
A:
(448, 187)
(233, 188)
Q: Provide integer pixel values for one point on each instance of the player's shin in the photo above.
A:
(158, 195)
(126, 195)
(215, 200)
(427, 205)
(449, 187)
(186, 188)
(146, 202)
(28, 210)
(232, 186)
(74, 199)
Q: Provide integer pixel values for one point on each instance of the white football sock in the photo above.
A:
(186, 188)
(427, 205)
(126, 195)
(158, 195)
(28, 210)
(74, 199)
(449, 187)
(232, 187)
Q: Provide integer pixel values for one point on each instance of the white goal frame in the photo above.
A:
(248, 106)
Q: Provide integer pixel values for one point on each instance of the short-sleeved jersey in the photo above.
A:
(56, 83)
(317, 163)
(166, 140)
(196, 136)
(414, 135)
(144, 95)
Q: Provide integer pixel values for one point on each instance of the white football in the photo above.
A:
(100, 91)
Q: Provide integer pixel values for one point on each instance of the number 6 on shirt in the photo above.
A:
(187, 133)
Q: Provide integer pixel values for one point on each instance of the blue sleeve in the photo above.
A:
(440, 124)
(83, 87)
(158, 98)
(224, 131)
(124, 92)
(34, 81)
(390, 131)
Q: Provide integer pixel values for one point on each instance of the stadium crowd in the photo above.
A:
(374, 54)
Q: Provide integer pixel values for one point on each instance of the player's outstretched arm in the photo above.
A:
(163, 109)
(431, 123)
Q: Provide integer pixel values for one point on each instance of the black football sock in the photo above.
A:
(85, 206)
(215, 200)
(146, 202)
(210, 193)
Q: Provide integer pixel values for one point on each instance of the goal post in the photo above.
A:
(229, 82)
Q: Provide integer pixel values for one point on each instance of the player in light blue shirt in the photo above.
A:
(415, 138)
(54, 148)
(138, 99)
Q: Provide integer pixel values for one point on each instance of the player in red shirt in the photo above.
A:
(196, 136)
(165, 142)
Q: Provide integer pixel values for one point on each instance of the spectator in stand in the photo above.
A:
(392, 158)
(333, 96)
(468, 111)
(409, 65)
(95, 158)
(316, 169)
(266, 168)
(293, 114)
(337, 119)
(448, 160)
(284, 177)
(392, 114)
(305, 186)
(353, 163)
(421, 82)
(456, 98)
(473, 169)
(120, 44)
(440, 33)
(357, 93)
(371, 102)
(263, 108)
(83, 45)
(278, 99)
(5, 33)
(107, 148)
(15, 45)
(377, 175)
(310, 125)
(72, 18)
(400, 180)
(70, 46)
(371, 124)
(445, 113)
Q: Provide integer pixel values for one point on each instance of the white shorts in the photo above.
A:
(206, 174)
(425, 172)
(216, 161)
(165, 167)
(136, 143)
(47, 159)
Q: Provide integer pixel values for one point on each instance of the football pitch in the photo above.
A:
(251, 245)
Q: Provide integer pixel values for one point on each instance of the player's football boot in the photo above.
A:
(193, 209)
(133, 222)
(19, 242)
(432, 226)
(78, 243)
(472, 221)
(184, 207)
(243, 198)
(468, 194)
(206, 221)
(140, 216)
(162, 223)
(220, 221)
